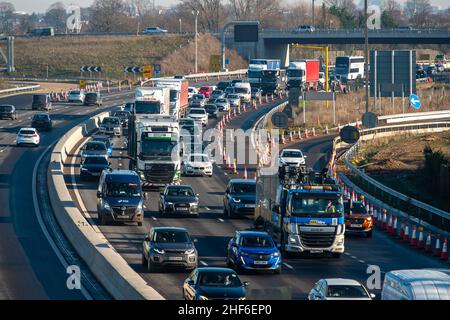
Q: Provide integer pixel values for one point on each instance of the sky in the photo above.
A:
(30, 6)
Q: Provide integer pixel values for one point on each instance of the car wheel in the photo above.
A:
(144, 260)
(139, 224)
(336, 255)
(150, 267)
(229, 263)
(277, 270)
(369, 234)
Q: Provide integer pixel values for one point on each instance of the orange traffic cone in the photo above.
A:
(394, 227)
(420, 240)
(234, 167)
(389, 225)
(305, 135)
(291, 138)
(314, 132)
(245, 173)
(406, 234)
(444, 254)
(428, 243)
(437, 247)
(413, 241)
(228, 162)
(224, 154)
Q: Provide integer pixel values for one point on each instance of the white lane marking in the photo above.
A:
(346, 253)
(220, 219)
(85, 212)
(207, 209)
(203, 263)
(154, 218)
(287, 265)
(145, 207)
(361, 261)
(37, 211)
(353, 257)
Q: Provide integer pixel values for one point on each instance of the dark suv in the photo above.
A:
(41, 121)
(92, 98)
(41, 102)
(8, 111)
(120, 197)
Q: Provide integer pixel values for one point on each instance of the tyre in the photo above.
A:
(139, 224)
(229, 263)
(144, 260)
(277, 270)
(369, 234)
(336, 255)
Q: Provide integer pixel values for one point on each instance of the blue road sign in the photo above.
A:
(414, 101)
(227, 61)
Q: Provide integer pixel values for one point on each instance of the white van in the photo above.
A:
(416, 284)
(244, 90)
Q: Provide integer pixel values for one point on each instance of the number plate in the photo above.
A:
(316, 251)
(95, 173)
(260, 262)
(182, 209)
(249, 205)
(123, 217)
(356, 225)
(176, 258)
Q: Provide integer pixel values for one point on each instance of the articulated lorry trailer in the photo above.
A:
(303, 73)
(303, 211)
(178, 95)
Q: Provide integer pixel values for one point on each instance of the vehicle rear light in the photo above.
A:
(35, 135)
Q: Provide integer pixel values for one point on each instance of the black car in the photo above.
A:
(123, 116)
(92, 166)
(93, 98)
(8, 111)
(212, 110)
(178, 199)
(222, 85)
(41, 121)
(208, 283)
(41, 102)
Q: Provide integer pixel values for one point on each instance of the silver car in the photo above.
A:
(76, 96)
(169, 247)
(222, 104)
(234, 100)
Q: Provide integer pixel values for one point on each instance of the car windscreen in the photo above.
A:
(95, 146)
(354, 207)
(346, 291)
(39, 98)
(74, 92)
(257, 241)
(305, 205)
(123, 189)
(152, 107)
(26, 132)
(215, 92)
(41, 117)
(110, 121)
(198, 97)
(106, 141)
(198, 158)
(204, 88)
(219, 279)
(91, 95)
(211, 107)
(240, 90)
(171, 236)
(121, 114)
(233, 96)
(291, 154)
(6, 108)
(244, 188)
(197, 111)
(221, 101)
(96, 160)
(180, 191)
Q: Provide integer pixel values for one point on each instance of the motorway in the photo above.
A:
(213, 230)
(29, 267)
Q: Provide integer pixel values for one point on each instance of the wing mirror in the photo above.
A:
(195, 240)
(190, 282)
(246, 283)
(99, 194)
(373, 295)
(147, 239)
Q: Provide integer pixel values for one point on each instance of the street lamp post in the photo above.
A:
(180, 24)
(366, 55)
(195, 13)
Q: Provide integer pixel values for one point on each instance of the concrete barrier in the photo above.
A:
(108, 266)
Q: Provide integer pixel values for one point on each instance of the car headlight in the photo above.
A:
(292, 239)
(106, 206)
(193, 204)
(202, 298)
(242, 298)
(159, 251)
(276, 254)
(236, 200)
(243, 253)
(340, 229)
(189, 251)
(83, 169)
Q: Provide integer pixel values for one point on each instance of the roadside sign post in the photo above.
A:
(320, 96)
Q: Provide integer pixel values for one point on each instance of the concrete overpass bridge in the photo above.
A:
(274, 44)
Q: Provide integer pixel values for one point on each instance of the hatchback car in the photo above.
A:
(106, 140)
(28, 136)
(304, 28)
(8, 111)
(253, 250)
(197, 164)
(169, 247)
(76, 96)
(154, 30)
(94, 148)
(123, 117)
(198, 115)
(93, 98)
(212, 110)
(41, 102)
(192, 91)
(206, 91)
(291, 157)
(178, 199)
(357, 219)
(216, 94)
(234, 100)
(198, 98)
(240, 197)
(222, 104)
(212, 283)
(92, 166)
(42, 121)
(111, 125)
(339, 289)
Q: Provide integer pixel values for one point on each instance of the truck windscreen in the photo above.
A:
(151, 147)
(150, 107)
(307, 206)
(295, 72)
(173, 95)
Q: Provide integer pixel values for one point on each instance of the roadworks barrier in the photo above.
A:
(107, 265)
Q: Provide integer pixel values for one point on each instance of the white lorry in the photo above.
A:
(152, 100)
(179, 94)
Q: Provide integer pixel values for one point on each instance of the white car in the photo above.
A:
(28, 136)
(291, 157)
(222, 104)
(76, 96)
(304, 28)
(339, 289)
(198, 115)
(153, 30)
(197, 164)
(192, 91)
(234, 100)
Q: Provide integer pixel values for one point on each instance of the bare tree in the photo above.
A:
(265, 11)
(209, 12)
(418, 12)
(110, 16)
(56, 16)
(6, 17)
